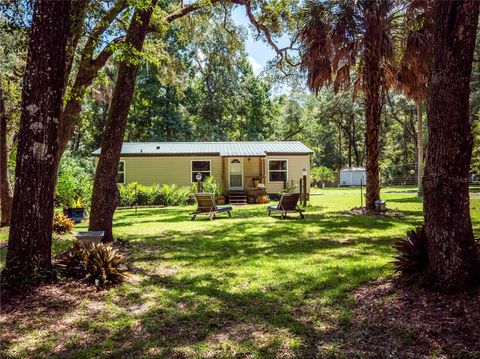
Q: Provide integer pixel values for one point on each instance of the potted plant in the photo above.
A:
(75, 210)
(220, 199)
(262, 199)
(210, 185)
(219, 194)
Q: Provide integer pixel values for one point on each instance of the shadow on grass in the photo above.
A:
(200, 311)
(405, 200)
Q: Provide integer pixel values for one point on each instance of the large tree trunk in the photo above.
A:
(105, 192)
(6, 199)
(420, 164)
(373, 105)
(29, 244)
(453, 262)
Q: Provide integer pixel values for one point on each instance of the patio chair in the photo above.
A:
(207, 206)
(288, 203)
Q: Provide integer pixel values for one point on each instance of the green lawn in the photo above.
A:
(249, 286)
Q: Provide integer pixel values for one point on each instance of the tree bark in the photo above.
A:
(420, 163)
(77, 20)
(6, 199)
(453, 263)
(373, 105)
(105, 192)
(29, 244)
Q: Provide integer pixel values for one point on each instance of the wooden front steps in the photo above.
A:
(237, 197)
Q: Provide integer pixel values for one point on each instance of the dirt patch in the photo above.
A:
(391, 322)
(48, 308)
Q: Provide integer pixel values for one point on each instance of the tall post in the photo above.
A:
(361, 192)
(136, 197)
(301, 189)
(304, 175)
(198, 177)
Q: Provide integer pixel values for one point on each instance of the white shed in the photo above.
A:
(352, 176)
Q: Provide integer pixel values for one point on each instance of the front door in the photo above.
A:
(235, 174)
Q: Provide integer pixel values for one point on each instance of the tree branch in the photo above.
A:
(282, 52)
(101, 27)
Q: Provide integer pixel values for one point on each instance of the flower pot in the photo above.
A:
(380, 206)
(77, 214)
(221, 200)
(89, 237)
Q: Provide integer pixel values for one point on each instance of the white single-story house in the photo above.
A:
(239, 166)
(352, 176)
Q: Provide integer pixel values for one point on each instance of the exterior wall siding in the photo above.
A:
(251, 168)
(295, 165)
(148, 170)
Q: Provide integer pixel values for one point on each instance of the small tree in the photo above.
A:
(347, 36)
(105, 193)
(321, 175)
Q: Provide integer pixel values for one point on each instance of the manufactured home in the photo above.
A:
(251, 168)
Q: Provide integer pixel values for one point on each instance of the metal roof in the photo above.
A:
(257, 148)
(353, 169)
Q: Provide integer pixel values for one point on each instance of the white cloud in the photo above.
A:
(257, 68)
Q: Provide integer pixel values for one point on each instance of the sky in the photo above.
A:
(259, 52)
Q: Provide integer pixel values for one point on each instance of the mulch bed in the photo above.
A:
(392, 322)
(362, 211)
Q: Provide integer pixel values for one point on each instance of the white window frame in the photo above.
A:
(269, 170)
(198, 160)
(124, 172)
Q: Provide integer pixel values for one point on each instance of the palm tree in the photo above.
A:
(412, 75)
(348, 37)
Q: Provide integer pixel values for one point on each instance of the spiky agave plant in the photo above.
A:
(411, 262)
(100, 264)
(106, 265)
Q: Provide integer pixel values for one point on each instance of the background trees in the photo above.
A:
(14, 42)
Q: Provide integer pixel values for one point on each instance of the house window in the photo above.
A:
(277, 170)
(121, 172)
(202, 167)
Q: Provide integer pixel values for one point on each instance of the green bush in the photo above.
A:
(128, 194)
(320, 175)
(146, 195)
(173, 195)
(210, 185)
(75, 181)
(168, 195)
